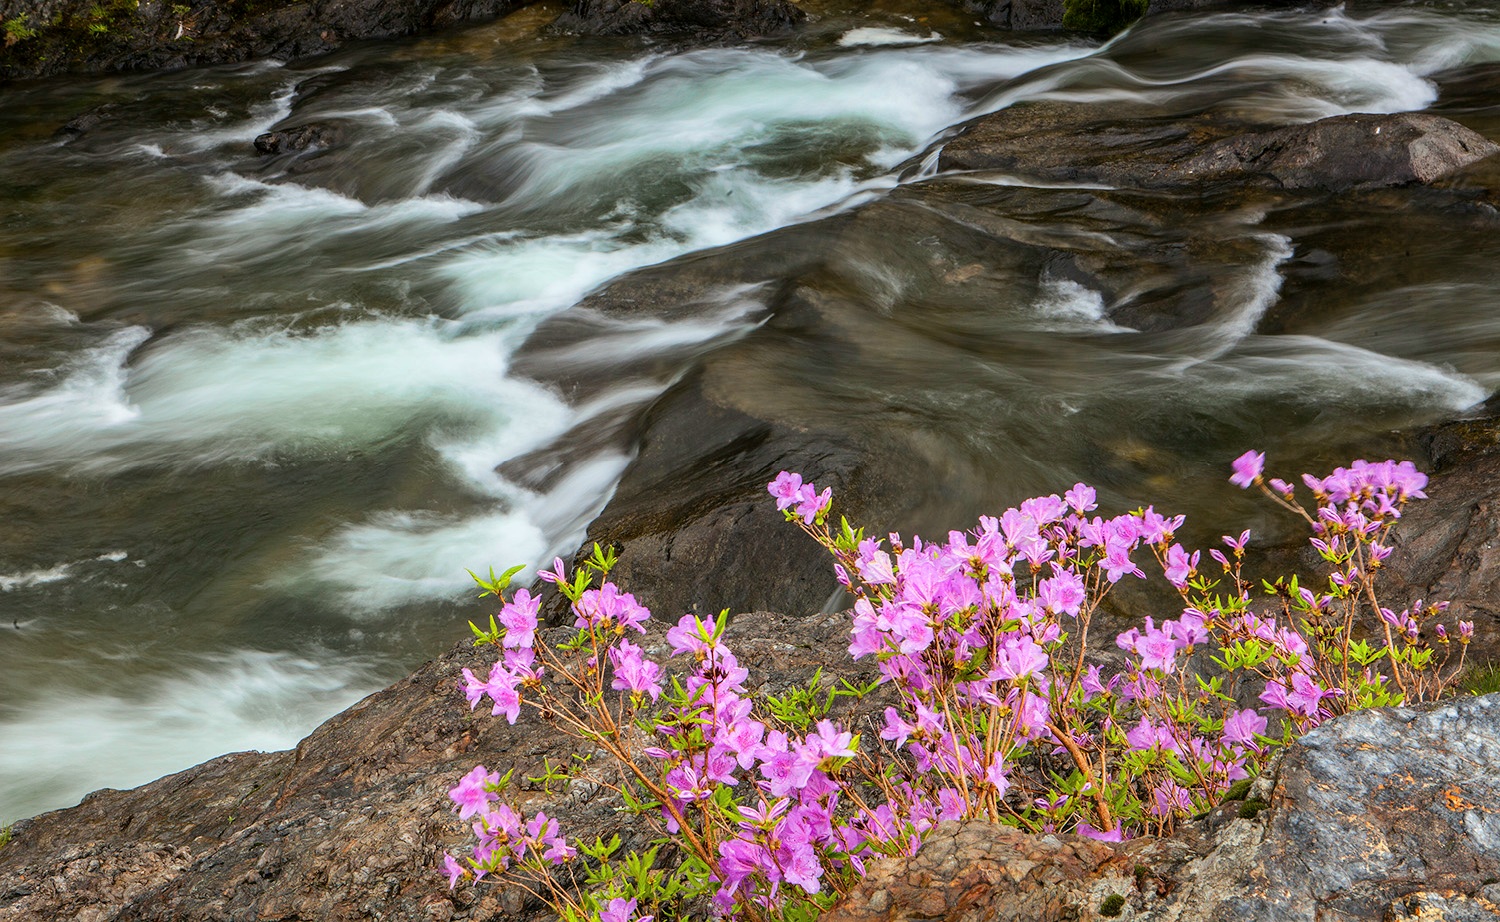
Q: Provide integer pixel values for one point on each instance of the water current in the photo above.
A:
(252, 409)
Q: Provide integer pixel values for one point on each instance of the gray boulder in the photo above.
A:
(1389, 814)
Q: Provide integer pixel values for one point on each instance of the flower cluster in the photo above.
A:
(980, 645)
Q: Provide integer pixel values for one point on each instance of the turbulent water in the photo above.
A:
(252, 409)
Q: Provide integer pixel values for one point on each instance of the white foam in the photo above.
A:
(9, 582)
(61, 748)
(398, 557)
(271, 213)
(1317, 372)
(878, 36)
(212, 396)
(1068, 306)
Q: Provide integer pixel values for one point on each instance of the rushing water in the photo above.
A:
(252, 409)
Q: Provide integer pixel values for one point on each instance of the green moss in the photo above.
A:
(1250, 808)
(1239, 790)
(1112, 906)
(1107, 16)
(1481, 680)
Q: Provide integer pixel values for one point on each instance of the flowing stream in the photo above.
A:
(254, 411)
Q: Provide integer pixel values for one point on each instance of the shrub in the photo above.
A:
(999, 713)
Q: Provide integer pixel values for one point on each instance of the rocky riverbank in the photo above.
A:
(349, 825)
(54, 37)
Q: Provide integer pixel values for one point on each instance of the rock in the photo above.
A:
(316, 135)
(978, 872)
(351, 825)
(84, 123)
(1448, 546)
(1069, 143)
(1342, 153)
(1378, 809)
(1047, 15)
(1385, 814)
(703, 20)
(84, 36)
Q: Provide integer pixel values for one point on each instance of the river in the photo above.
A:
(253, 409)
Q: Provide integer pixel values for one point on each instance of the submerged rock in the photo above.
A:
(316, 135)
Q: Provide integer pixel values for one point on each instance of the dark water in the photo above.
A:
(252, 410)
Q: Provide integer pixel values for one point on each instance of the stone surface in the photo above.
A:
(1069, 143)
(1366, 812)
(1448, 546)
(701, 20)
(1047, 15)
(101, 36)
(977, 872)
(317, 136)
(1391, 814)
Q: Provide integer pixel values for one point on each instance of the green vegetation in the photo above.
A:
(5, 834)
(1112, 906)
(17, 30)
(1108, 16)
(1481, 680)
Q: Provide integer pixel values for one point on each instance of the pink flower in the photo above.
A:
(1248, 468)
(1113, 835)
(453, 869)
(472, 794)
(634, 673)
(1243, 726)
(1180, 565)
(787, 488)
(1018, 657)
(810, 504)
(519, 618)
(621, 910)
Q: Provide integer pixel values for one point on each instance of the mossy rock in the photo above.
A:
(1106, 16)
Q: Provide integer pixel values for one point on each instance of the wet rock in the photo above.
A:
(1047, 15)
(1342, 153)
(316, 135)
(82, 124)
(703, 20)
(1448, 546)
(1069, 143)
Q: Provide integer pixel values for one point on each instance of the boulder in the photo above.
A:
(1070, 143)
(1385, 814)
(1381, 808)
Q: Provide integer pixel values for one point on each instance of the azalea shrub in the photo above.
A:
(997, 704)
